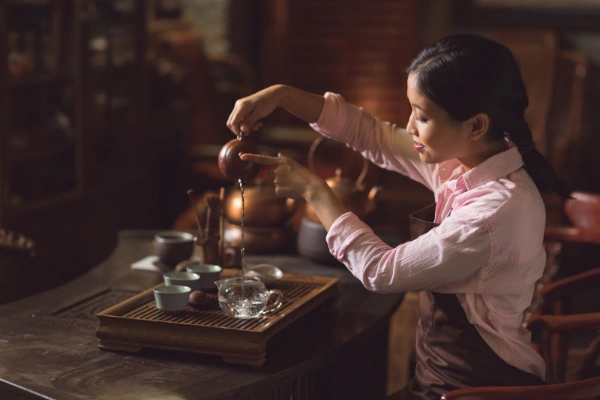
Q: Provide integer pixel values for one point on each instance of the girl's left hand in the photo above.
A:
(296, 181)
(291, 179)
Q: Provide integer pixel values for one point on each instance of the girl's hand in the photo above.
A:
(294, 180)
(291, 179)
(248, 111)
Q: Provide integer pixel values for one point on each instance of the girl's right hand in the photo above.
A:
(248, 111)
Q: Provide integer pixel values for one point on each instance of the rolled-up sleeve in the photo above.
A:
(386, 145)
(447, 259)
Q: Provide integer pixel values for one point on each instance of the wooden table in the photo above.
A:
(48, 346)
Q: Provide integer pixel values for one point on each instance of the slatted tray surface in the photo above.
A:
(136, 323)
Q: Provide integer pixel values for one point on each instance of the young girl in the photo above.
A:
(476, 253)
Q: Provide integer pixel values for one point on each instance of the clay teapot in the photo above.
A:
(262, 207)
(352, 194)
(230, 163)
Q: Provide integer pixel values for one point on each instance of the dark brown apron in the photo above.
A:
(450, 352)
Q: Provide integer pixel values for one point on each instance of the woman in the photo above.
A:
(475, 254)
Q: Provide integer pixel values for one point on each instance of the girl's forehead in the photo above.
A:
(412, 81)
(413, 91)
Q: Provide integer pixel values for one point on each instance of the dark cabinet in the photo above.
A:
(74, 153)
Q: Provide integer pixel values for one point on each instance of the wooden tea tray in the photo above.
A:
(136, 323)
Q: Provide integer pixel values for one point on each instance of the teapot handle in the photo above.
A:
(311, 162)
(275, 306)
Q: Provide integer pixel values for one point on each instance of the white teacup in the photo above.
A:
(209, 274)
(191, 279)
(172, 299)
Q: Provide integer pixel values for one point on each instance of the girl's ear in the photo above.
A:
(478, 125)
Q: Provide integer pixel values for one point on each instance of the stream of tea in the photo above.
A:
(246, 300)
(243, 250)
(248, 303)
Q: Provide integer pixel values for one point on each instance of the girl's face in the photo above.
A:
(436, 136)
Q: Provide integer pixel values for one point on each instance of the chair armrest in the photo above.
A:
(564, 323)
(565, 234)
(561, 391)
(566, 287)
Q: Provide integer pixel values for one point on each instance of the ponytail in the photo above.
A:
(537, 166)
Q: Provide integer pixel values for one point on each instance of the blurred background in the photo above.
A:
(111, 110)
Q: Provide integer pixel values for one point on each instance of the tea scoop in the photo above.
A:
(266, 272)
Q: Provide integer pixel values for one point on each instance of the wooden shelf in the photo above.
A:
(24, 156)
(38, 80)
(29, 2)
(46, 202)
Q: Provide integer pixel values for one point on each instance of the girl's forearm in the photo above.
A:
(304, 105)
(325, 203)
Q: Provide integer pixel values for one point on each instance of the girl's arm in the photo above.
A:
(248, 111)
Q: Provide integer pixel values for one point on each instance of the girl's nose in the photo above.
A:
(410, 126)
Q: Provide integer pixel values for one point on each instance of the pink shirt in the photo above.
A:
(487, 249)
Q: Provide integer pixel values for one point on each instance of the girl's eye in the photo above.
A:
(421, 119)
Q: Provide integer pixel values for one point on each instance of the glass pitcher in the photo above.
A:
(246, 297)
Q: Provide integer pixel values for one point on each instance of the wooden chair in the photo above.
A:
(555, 327)
(553, 297)
(583, 215)
(583, 389)
(549, 328)
(565, 133)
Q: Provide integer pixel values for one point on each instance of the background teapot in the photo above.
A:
(262, 207)
(352, 194)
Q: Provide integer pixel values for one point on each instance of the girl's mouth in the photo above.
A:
(418, 147)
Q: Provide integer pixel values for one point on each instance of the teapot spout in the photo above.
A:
(371, 204)
(220, 283)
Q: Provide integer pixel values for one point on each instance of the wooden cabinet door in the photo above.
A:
(38, 140)
(113, 91)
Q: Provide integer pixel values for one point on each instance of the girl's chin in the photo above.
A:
(427, 158)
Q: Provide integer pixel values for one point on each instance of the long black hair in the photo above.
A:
(469, 74)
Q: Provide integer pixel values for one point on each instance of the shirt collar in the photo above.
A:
(494, 168)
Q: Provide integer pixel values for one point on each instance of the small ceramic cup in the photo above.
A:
(172, 247)
(209, 274)
(172, 299)
(190, 279)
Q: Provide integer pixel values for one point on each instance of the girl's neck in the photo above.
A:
(483, 153)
